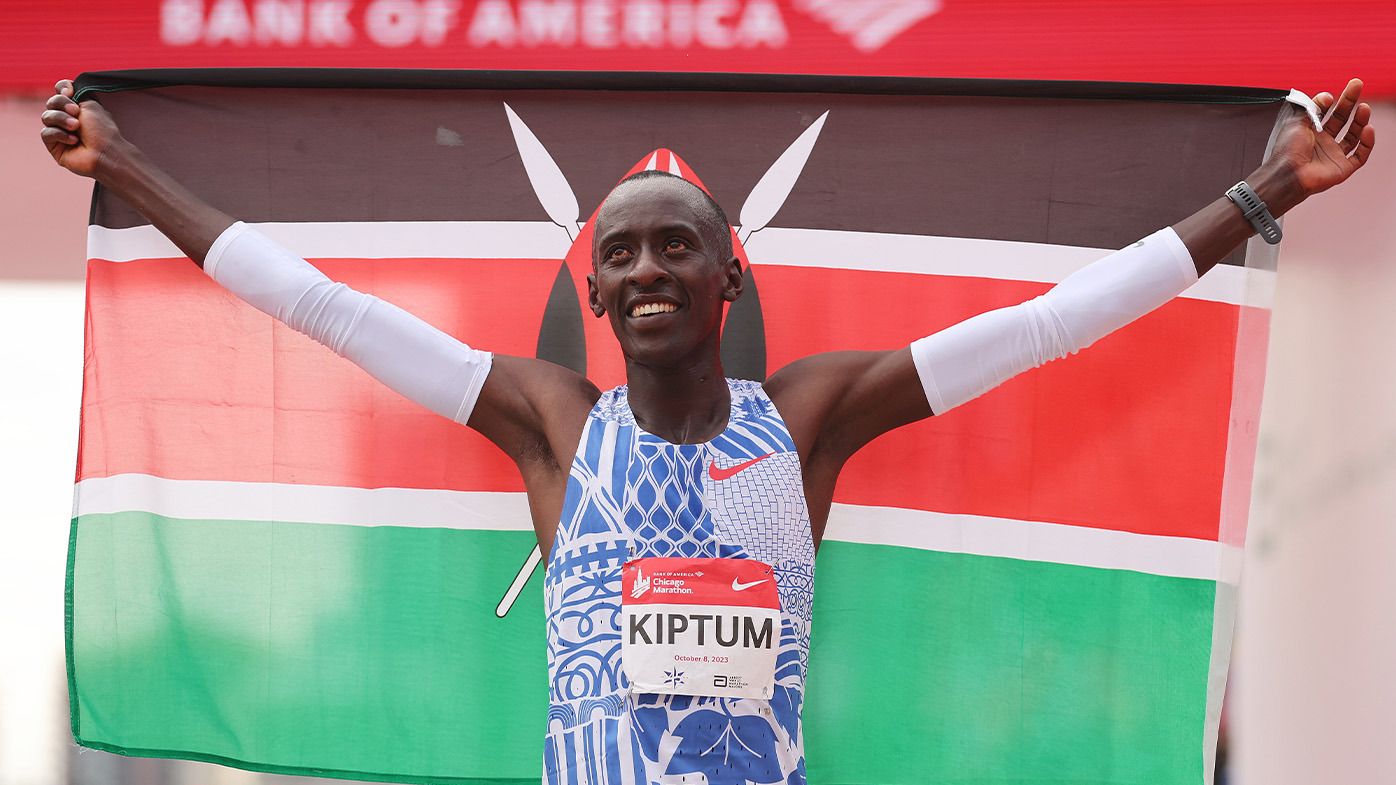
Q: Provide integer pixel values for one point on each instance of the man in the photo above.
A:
(679, 514)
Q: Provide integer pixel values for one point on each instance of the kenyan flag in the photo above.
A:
(280, 565)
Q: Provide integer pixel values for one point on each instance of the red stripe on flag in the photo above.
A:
(186, 382)
(1130, 434)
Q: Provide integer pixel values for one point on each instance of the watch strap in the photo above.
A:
(1255, 211)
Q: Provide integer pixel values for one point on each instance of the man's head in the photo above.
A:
(712, 218)
(662, 267)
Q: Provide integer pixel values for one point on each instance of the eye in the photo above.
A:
(675, 244)
(616, 254)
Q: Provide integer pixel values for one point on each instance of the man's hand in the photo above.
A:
(1302, 163)
(83, 138)
(1321, 160)
(77, 135)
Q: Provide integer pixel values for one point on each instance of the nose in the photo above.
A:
(647, 269)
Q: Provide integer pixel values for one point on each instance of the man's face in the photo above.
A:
(658, 274)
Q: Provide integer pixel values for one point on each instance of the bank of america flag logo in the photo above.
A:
(869, 24)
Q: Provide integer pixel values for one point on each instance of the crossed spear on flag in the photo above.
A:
(559, 201)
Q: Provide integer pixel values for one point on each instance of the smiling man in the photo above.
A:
(679, 514)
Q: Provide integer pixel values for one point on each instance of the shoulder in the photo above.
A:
(533, 409)
(834, 403)
(808, 392)
(818, 378)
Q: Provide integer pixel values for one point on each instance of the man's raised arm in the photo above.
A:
(400, 350)
(843, 400)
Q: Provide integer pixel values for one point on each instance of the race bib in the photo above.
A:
(700, 626)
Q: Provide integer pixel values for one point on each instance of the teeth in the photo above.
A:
(652, 308)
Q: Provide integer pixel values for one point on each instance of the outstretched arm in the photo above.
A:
(521, 404)
(838, 402)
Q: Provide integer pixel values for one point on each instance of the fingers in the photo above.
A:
(1353, 136)
(1365, 143)
(57, 136)
(57, 118)
(63, 103)
(64, 87)
(1339, 115)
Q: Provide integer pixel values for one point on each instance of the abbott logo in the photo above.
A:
(642, 584)
(869, 24)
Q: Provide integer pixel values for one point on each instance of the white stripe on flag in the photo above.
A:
(274, 501)
(1058, 543)
(840, 250)
(977, 258)
(362, 240)
(1183, 557)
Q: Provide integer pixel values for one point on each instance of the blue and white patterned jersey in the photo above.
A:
(631, 494)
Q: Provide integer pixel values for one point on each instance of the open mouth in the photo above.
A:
(652, 309)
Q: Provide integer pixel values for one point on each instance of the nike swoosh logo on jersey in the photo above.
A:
(722, 474)
(738, 586)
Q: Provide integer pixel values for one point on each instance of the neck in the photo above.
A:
(687, 403)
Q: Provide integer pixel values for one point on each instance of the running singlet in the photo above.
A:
(631, 494)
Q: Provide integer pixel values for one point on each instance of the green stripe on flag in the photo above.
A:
(973, 669)
(358, 650)
(364, 650)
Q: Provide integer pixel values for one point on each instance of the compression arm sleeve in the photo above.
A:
(395, 347)
(965, 360)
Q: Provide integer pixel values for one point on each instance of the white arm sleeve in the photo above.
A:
(965, 360)
(395, 347)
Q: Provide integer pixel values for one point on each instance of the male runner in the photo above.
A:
(679, 514)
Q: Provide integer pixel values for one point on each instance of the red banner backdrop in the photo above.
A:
(1279, 43)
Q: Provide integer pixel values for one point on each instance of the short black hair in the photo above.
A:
(712, 220)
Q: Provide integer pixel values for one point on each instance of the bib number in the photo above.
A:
(700, 626)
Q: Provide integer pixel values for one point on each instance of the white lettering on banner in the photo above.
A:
(644, 24)
(271, 22)
(608, 24)
(543, 22)
(393, 24)
(680, 23)
(762, 24)
(278, 22)
(181, 22)
(711, 26)
(329, 23)
(493, 24)
(228, 22)
(599, 24)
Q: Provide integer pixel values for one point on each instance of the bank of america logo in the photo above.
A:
(869, 24)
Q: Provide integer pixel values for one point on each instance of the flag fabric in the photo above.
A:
(278, 564)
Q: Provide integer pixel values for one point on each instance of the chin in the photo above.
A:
(659, 351)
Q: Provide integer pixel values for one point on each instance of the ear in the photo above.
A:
(732, 280)
(593, 297)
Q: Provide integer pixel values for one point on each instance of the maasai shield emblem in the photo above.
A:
(569, 340)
